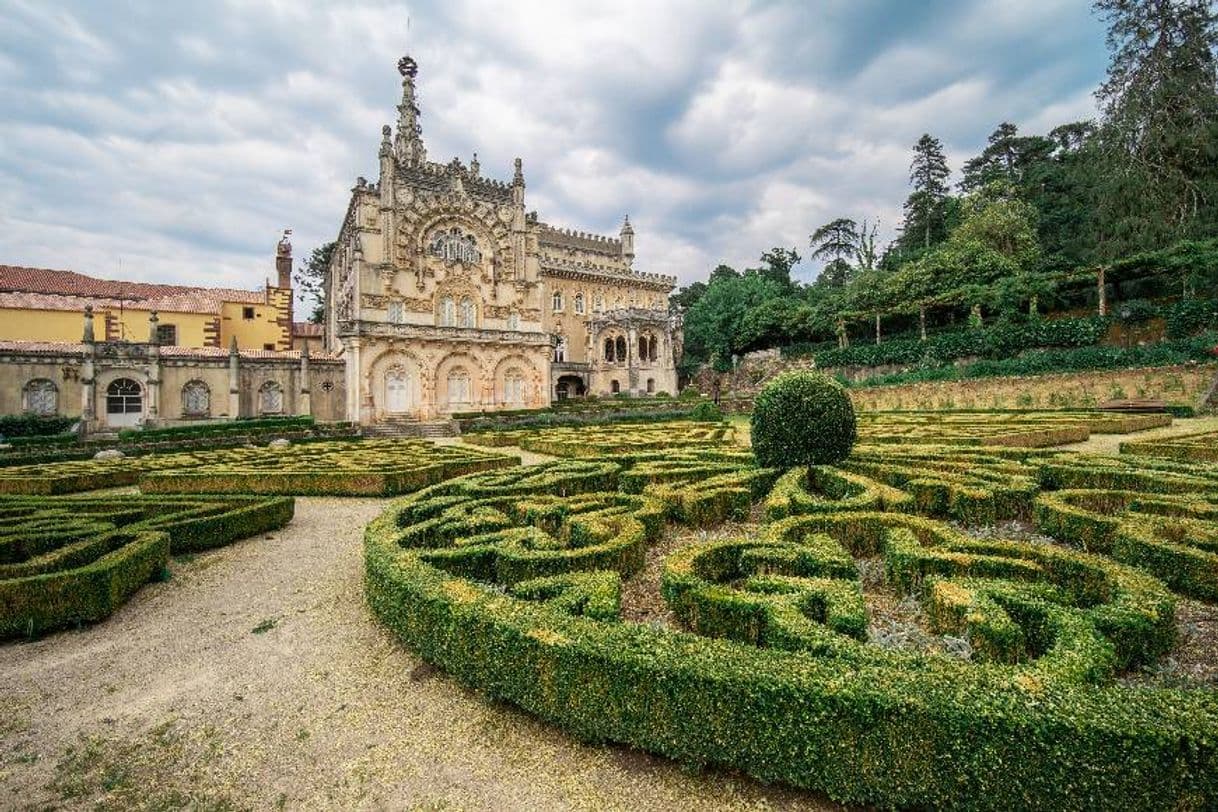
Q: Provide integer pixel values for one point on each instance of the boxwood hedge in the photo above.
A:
(71, 560)
(511, 581)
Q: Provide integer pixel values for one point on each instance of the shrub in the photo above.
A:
(689, 393)
(31, 425)
(68, 561)
(511, 581)
(706, 412)
(802, 418)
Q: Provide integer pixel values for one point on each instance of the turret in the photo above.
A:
(283, 260)
(518, 183)
(627, 236)
(409, 142)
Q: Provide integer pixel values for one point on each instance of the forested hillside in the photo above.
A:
(1043, 242)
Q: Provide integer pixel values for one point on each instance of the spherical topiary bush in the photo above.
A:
(802, 418)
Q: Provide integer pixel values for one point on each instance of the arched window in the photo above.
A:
(454, 246)
(598, 303)
(652, 349)
(196, 399)
(468, 314)
(514, 387)
(270, 398)
(448, 312)
(458, 386)
(579, 303)
(560, 350)
(41, 397)
(642, 348)
(399, 390)
(621, 348)
(513, 320)
(557, 300)
(124, 402)
(609, 356)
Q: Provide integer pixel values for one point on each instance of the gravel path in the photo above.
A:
(256, 677)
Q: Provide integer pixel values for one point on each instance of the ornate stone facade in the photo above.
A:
(445, 296)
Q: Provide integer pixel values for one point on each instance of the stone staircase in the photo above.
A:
(401, 427)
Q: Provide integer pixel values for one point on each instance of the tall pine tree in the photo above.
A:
(926, 207)
(1159, 133)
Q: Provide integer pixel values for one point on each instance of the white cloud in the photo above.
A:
(183, 139)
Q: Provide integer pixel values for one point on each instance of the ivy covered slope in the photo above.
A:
(512, 582)
(71, 560)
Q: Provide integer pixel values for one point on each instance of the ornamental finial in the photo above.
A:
(408, 67)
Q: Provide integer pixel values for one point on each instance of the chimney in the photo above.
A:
(283, 259)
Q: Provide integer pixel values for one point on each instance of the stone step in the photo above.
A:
(411, 428)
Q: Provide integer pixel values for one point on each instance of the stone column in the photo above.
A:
(88, 382)
(234, 381)
(154, 371)
(305, 407)
(354, 376)
(632, 361)
(1102, 289)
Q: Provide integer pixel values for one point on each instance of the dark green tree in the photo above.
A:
(310, 280)
(926, 207)
(836, 243)
(1159, 133)
(777, 264)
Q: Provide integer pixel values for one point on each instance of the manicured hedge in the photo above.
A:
(67, 561)
(29, 425)
(1199, 447)
(802, 418)
(323, 468)
(511, 581)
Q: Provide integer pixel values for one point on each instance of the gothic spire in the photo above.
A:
(409, 142)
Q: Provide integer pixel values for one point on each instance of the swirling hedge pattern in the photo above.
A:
(512, 582)
(331, 468)
(71, 560)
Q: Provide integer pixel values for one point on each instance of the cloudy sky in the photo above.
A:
(173, 141)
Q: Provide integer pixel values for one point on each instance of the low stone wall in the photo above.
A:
(1183, 385)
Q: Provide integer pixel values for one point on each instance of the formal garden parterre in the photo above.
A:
(512, 582)
(70, 560)
(333, 468)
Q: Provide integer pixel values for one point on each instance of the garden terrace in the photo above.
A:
(1029, 429)
(512, 581)
(334, 468)
(1200, 447)
(68, 560)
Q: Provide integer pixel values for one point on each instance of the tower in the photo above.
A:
(409, 142)
(283, 260)
(627, 235)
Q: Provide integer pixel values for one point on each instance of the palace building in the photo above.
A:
(444, 295)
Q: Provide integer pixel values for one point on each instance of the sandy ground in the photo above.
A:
(256, 677)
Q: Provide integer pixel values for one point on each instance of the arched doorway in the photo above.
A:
(124, 403)
(569, 386)
(399, 391)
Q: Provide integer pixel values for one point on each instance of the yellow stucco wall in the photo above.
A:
(40, 325)
(270, 325)
(266, 328)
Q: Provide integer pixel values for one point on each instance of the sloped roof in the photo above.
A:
(47, 289)
(75, 348)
